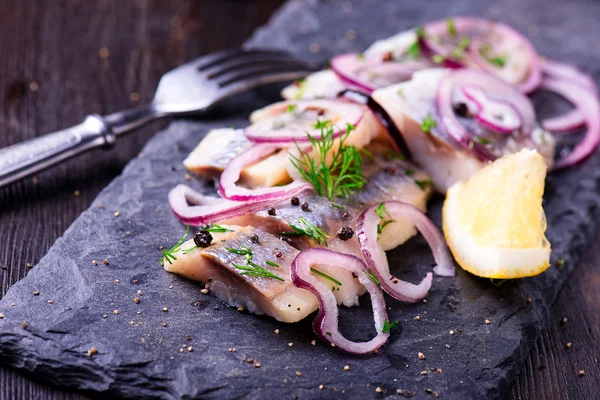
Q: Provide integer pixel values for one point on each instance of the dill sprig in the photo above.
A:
(497, 60)
(428, 123)
(387, 326)
(216, 228)
(382, 212)
(253, 269)
(371, 276)
(169, 255)
(307, 228)
(250, 268)
(342, 175)
(328, 277)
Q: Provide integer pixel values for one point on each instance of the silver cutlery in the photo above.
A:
(192, 88)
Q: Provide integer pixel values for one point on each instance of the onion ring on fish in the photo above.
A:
(326, 323)
(369, 74)
(476, 30)
(207, 209)
(494, 88)
(229, 190)
(278, 123)
(375, 257)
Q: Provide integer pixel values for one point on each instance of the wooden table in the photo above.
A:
(63, 59)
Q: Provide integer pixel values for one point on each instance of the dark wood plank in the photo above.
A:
(56, 45)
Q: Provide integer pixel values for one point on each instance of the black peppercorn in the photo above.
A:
(271, 211)
(254, 238)
(345, 233)
(295, 201)
(461, 110)
(346, 215)
(305, 206)
(203, 239)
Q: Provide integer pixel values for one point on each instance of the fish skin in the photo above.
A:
(213, 265)
(408, 103)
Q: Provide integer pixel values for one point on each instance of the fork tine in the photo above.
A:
(261, 69)
(259, 79)
(246, 60)
(213, 59)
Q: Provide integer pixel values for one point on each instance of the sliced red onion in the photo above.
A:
(326, 323)
(589, 106)
(230, 191)
(475, 28)
(574, 119)
(396, 138)
(376, 259)
(494, 114)
(494, 88)
(562, 71)
(565, 123)
(293, 121)
(369, 74)
(207, 209)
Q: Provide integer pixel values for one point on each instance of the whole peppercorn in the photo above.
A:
(203, 238)
(254, 238)
(305, 206)
(271, 211)
(345, 233)
(462, 110)
(295, 201)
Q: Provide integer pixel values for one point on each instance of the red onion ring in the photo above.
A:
(492, 85)
(559, 70)
(589, 105)
(230, 191)
(263, 131)
(565, 123)
(376, 259)
(207, 209)
(351, 69)
(486, 112)
(465, 24)
(574, 119)
(326, 323)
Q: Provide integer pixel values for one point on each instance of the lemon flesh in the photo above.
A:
(494, 223)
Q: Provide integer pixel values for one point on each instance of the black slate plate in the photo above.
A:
(139, 357)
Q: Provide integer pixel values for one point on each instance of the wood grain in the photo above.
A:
(52, 74)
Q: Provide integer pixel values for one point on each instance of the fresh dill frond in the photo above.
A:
(451, 27)
(382, 213)
(414, 50)
(307, 228)
(253, 269)
(291, 108)
(498, 282)
(371, 276)
(387, 326)
(216, 228)
(169, 255)
(497, 60)
(324, 275)
(334, 172)
(424, 184)
(428, 123)
(272, 264)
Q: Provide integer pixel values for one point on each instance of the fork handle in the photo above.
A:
(29, 157)
(32, 156)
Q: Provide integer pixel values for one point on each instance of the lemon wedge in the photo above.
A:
(494, 223)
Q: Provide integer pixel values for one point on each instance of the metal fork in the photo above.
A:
(192, 88)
